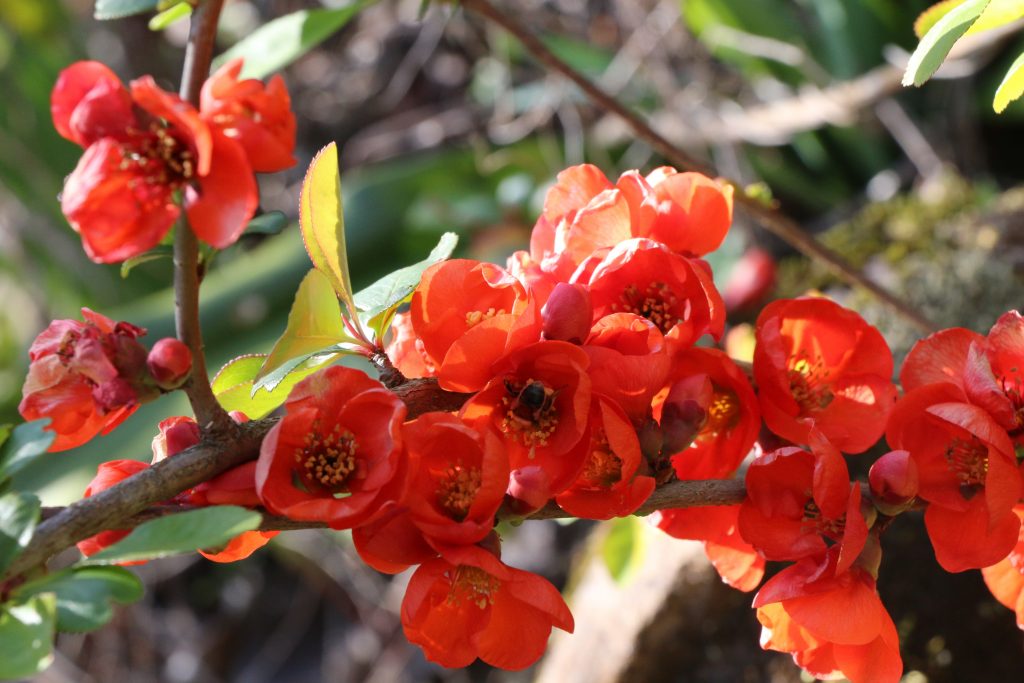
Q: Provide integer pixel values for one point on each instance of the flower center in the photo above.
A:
(657, 303)
(326, 461)
(474, 585)
(457, 489)
(161, 158)
(474, 318)
(968, 460)
(831, 529)
(722, 414)
(530, 413)
(809, 383)
(603, 468)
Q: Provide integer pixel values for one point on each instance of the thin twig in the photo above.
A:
(769, 217)
(198, 55)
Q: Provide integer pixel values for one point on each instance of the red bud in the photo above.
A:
(893, 480)
(567, 314)
(176, 434)
(685, 412)
(529, 489)
(170, 363)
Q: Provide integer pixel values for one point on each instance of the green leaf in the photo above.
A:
(1012, 86)
(280, 42)
(233, 384)
(394, 287)
(314, 325)
(269, 223)
(26, 636)
(5, 433)
(169, 16)
(26, 442)
(115, 9)
(322, 221)
(85, 595)
(155, 254)
(180, 533)
(939, 40)
(19, 513)
(623, 547)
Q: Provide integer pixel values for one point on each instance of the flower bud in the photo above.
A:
(894, 481)
(170, 363)
(685, 412)
(567, 314)
(528, 490)
(176, 434)
(751, 280)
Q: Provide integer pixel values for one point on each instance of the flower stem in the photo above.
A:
(198, 55)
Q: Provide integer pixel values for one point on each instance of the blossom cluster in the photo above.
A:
(148, 154)
(587, 382)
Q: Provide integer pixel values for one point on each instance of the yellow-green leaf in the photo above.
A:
(939, 40)
(233, 384)
(322, 221)
(1012, 86)
(314, 324)
(927, 18)
(998, 13)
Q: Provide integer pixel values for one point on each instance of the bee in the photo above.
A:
(530, 401)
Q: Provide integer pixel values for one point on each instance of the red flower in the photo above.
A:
(259, 117)
(108, 474)
(731, 419)
(336, 455)
(1005, 579)
(458, 479)
(143, 146)
(833, 623)
(994, 373)
(799, 503)
(688, 212)
(966, 471)
(676, 293)
(735, 560)
(469, 605)
(940, 357)
(628, 361)
(539, 400)
(467, 315)
(86, 377)
(819, 364)
(405, 350)
(611, 483)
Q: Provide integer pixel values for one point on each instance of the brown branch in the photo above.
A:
(198, 55)
(109, 509)
(676, 494)
(770, 218)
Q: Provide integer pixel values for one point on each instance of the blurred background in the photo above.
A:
(444, 123)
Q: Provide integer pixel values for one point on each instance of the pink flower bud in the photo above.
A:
(893, 480)
(751, 280)
(529, 489)
(176, 434)
(567, 314)
(169, 362)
